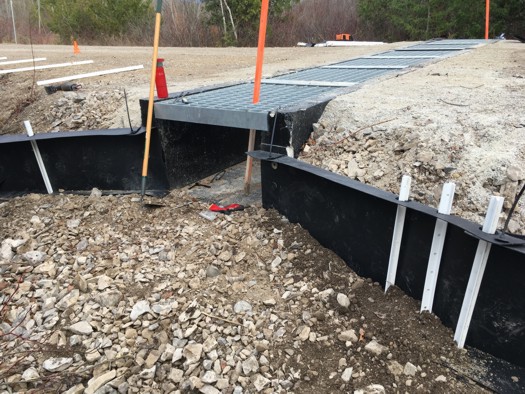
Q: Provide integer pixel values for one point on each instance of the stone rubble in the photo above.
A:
(136, 308)
(84, 110)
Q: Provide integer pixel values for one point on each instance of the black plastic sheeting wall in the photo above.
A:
(78, 161)
(356, 221)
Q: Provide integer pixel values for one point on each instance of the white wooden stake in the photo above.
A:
(93, 74)
(38, 156)
(38, 59)
(55, 65)
(440, 231)
(476, 274)
(398, 233)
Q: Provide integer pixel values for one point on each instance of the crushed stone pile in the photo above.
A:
(84, 110)
(101, 295)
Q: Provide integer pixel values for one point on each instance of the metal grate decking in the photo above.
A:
(232, 106)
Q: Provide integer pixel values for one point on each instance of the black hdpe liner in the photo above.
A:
(80, 161)
(356, 221)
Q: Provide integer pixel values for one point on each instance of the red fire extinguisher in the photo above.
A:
(160, 80)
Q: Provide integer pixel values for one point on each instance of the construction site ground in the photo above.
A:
(103, 294)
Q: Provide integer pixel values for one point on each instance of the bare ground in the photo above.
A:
(314, 325)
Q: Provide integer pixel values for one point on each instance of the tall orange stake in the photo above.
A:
(256, 88)
(487, 19)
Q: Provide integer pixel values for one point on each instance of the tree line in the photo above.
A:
(236, 22)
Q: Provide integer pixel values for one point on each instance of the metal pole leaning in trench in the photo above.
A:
(149, 120)
(256, 89)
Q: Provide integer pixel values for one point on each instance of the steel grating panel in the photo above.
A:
(365, 67)
(419, 52)
(459, 42)
(380, 61)
(232, 106)
(299, 82)
(430, 48)
(334, 75)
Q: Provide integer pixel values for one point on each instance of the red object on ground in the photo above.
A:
(160, 80)
(227, 209)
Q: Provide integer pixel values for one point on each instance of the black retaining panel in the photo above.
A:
(356, 221)
(80, 161)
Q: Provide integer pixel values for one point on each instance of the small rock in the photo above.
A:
(153, 357)
(139, 309)
(148, 373)
(343, 300)
(34, 257)
(73, 223)
(110, 298)
(57, 364)
(78, 389)
(225, 256)
(30, 374)
(96, 382)
(304, 334)
(192, 353)
(372, 389)
(375, 348)
(347, 374)
(207, 389)
(95, 193)
(395, 368)
(348, 335)
(441, 378)
(80, 283)
(514, 174)
(212, 271)
(209, 377)
(81, 328)
(242, 307)
(270, 302)
(104, 282)
(410, 369)
(250, 366)
(176, 375)
(260, 382)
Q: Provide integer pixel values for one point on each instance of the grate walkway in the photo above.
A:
(231, 106)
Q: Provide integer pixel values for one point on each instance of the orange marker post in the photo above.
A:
(487, 19)
(76, 49)
(256, 88)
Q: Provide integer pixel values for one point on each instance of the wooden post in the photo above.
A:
(249, 163)
(256, 88)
